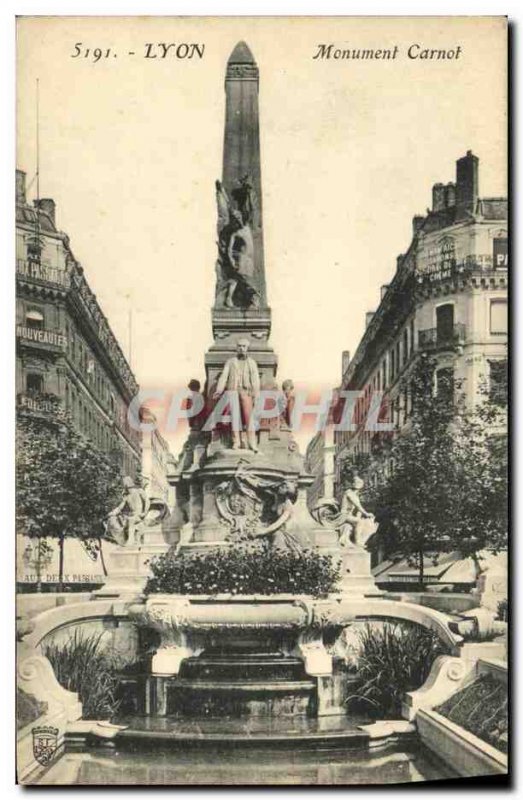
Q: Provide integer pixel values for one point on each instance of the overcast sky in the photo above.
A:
(130, 149)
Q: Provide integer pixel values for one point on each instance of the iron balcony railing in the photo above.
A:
(42, 272)
(437, 339)
(39, 403)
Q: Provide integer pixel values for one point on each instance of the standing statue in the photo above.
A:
(196, 442)
(353, 523)
(240, 374)
(290, 400)
(235, 265)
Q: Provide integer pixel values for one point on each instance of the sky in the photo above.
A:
(130, 148)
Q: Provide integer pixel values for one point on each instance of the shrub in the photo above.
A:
(393, 658)
(481, 708)
(81, 666)
(28, 708)
(244, 569)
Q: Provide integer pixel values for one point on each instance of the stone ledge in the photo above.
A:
(495, 667)
(468, 755)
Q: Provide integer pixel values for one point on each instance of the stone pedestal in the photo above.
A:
(492, 588)
(128, 570)
(356, 575)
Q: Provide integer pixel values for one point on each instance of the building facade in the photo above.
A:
(158, 463)
(66, 350)
(448, 297)
(320, 462)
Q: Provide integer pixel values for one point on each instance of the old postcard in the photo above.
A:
(261, 400)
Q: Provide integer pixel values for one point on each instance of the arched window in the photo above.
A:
(34, 319)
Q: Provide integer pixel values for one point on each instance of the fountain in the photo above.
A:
(244, 654)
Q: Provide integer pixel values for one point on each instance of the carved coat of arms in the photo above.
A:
(45, 743)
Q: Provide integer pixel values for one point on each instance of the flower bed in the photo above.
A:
(481, 708)
(244, 570)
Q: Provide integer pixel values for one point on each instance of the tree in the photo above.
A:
(446, 486)
(65, 485)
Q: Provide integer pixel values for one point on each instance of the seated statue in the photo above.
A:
(250, 498)
(353, 523)
(125, 524)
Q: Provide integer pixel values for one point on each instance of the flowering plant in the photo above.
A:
(244, 569)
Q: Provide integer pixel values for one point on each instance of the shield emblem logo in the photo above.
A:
(45, 743)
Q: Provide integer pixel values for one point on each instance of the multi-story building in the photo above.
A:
(448, 297)
(158, 463)
(319, 462)
(66, 350)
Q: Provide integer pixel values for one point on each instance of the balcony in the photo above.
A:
(39, 403)
(437, 339)
(41, 273)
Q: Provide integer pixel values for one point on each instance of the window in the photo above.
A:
(398, 356)
(445, 323)
(392, 365)
(498, 381)
(34, 319)
(34, 382)
(411, 336)
(498, 316)
(384, 374)
(405, 346)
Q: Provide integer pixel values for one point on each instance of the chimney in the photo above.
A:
(450, 194)
(417, 224)
(383, 290)
(48, 206)
(438, 197)
(20, 188)
(467, 183)
(399, 261)
(345, 361)
(368, 318)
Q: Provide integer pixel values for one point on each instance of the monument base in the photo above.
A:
(356, 574)
(128, 570)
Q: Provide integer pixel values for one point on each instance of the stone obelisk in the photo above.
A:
(242, 313)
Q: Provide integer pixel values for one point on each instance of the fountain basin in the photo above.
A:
(250, 655)
(197, 621)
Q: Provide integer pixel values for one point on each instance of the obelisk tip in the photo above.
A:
(241, 55)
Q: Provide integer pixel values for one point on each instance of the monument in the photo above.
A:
(248, 471)
(241, 475)
(242, 482)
